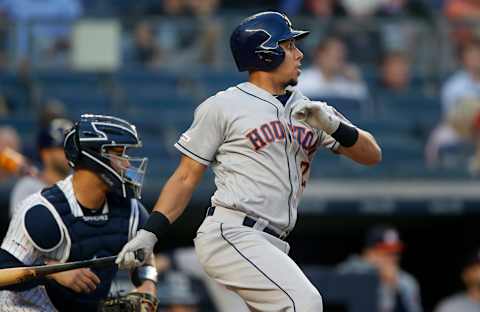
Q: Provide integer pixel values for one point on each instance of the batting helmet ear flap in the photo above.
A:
(271, 59)
(72, 146)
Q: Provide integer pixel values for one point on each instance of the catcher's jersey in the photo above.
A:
(259, 153)
(20, 244)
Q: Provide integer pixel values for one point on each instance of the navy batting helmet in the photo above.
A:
(87, 146)
(255, 42)
(54, 135)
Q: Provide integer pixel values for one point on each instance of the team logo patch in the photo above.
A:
(185, 137)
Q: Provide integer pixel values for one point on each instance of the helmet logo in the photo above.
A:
(263, 45)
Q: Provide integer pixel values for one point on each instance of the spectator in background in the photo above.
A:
(173, 7)
(9, 139)
(315, 8)
(386, 8)
(395, 72)
(177, 293)
(209, 30)
(325, 8)
(51, 36)
(460, 13)
(469, 300)
(54, 163)
(399, 291)
(403, 8)
(362, 8)
(462, 9)
(143, 50)
(460, 94)
(51, 109)
(331, 76)
(465, 83)
(194, 40)
(167, 8)
(4, 107)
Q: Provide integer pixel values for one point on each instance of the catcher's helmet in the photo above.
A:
(254, 43)
(87, 146)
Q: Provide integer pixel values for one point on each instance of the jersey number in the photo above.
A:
(304, 165)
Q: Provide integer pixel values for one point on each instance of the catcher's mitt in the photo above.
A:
(134, 301)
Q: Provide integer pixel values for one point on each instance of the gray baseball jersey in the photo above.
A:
(259, 153)
(19, 243)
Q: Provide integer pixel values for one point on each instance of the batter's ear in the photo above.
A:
(42, 228)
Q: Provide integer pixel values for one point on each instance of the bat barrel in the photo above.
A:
(13, 276)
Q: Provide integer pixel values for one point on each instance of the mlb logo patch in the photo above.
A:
(185, 137)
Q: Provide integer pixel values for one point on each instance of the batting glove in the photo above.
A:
(316, 114)
(145, 241)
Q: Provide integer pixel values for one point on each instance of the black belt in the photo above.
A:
(250, 222)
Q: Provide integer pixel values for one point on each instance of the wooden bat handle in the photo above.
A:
(17, 275)
(60, 267)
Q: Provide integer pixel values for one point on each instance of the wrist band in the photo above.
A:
(143, 273)
(346, 135)
(157, 224)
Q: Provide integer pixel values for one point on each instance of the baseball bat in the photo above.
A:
(12, 276)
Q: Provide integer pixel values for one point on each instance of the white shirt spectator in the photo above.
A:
(458, 303)
(459, 87)
(25, 187)
(313, 84)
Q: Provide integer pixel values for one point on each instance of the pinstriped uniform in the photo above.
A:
(19, 243)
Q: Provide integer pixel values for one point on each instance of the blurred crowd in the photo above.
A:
(171, 32)
(367, 51)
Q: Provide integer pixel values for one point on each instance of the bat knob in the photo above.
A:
(139, 255)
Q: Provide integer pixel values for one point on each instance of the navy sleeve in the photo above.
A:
(42, 227)
(7, 260)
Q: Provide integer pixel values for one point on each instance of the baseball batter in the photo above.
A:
(259, 138)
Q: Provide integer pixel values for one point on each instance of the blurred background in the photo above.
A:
(406, 70)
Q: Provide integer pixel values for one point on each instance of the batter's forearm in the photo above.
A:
(174, 198)
(365, 151)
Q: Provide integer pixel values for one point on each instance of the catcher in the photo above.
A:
(91, 213)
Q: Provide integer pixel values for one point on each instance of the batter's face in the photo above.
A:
(287, 73)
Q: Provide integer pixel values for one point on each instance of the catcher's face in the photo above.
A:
(289, 70)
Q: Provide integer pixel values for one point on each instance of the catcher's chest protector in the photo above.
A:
(99, 235)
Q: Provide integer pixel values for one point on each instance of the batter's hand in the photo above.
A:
(316, 114)
(145, 241)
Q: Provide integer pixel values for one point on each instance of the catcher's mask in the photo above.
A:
(104, 145)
